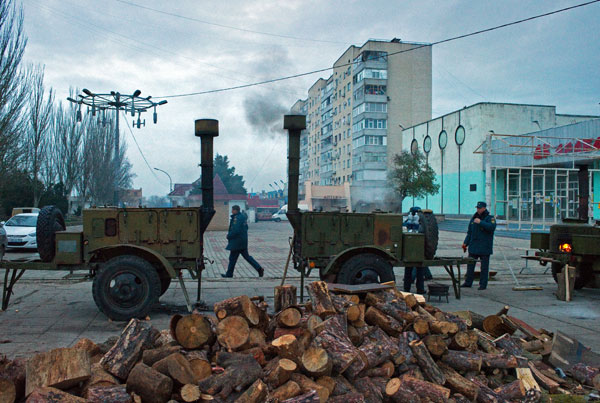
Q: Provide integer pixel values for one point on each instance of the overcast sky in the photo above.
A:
(194, 45)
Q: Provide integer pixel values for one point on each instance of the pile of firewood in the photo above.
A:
(375, 346)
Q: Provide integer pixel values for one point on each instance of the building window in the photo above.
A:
(414, 147)
(443, 139)
(372, 89)
(427, 144)
(459, 135)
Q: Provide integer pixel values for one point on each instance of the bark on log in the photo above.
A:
(149, 357)
(256, 393)
(14, 371)
(278, 371)
(87, 345)
(200, 364)
(385, 370)
(286, 391)
(345, 307)
(508, 345)
(61, 368)
(48, 394)
(99, 378)
(375, 317)
(587, 375)
(458, 398)
(435, 344)
(258, 354)
(289, 317)
(307, 384)
(411, 301)
(430, 369)
(421, 326)
(397, 392)
(464, 340)
(342, 386)
(149, 384)
(233, 332)
(499, 361)
(194, 331)
(309, 397)
(422, 389)
(284, 296)
(497, 325)
(321, 301)
(112, 394)
(512, 391)
(316, 362)
(127, 351)
(348, 398)
(177, 368)
(459, 384)
(190, 393)
(241, 371)
(238, 306)
(404, 354)
(487, 395)
(463, 360)
(8, 392)
(370, 390)
(335, 341)
(327, 382)
(486, 342)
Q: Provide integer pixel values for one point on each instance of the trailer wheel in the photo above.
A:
(364, 269)
(429, 228)
(50, 220)
(126, 287)
(165, 281)
(583, 274)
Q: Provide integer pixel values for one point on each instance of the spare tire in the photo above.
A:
(50, 220)
(429, 228)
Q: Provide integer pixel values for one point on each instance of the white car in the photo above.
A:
(20, 231)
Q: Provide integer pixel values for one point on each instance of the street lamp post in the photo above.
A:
(170, 181)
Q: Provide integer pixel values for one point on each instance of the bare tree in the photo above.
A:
(40, 113)
(13, 84)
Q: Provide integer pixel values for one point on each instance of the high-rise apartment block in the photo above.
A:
(355, 119)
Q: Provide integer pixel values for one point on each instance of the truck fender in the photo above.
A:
(108, 252)
(338, 260)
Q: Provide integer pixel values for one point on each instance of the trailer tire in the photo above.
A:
(429, 228)
(126, 287)
(165, 281)
(365, 268)
(50, 220)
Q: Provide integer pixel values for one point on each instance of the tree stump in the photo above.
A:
(177, 368)
(200, 364)
(190, 393)
(194, 331)
(48, 394)
(289, 317)
(316, 362)
(233, 332)
(113, 394)
(127, 351)
(61, 368)
(149, 384)
(256, 393)
(284, 297)
(321, 301)
(238, 306)
(286, 391)
(463, 360)
(428, 366)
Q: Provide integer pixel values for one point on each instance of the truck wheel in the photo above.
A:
(126, 287)
(50, 220)
(583, 274)
(364, 269)
(165, 282)
(429, 228)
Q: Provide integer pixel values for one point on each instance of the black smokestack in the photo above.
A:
(294, 124)
(207, 129)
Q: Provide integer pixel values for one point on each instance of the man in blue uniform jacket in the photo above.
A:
(480, 240)
(238, 242)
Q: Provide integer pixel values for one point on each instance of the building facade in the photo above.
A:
(355, 118)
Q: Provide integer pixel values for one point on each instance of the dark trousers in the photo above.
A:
(408, 279)
(412, 227)
(233, 257)
(485, 270)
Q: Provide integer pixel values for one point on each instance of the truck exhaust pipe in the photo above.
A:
(294, 124)
(206, 129)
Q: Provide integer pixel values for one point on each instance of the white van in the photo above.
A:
(280, 215)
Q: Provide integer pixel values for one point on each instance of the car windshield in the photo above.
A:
(22, 221)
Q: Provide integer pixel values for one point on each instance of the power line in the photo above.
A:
(455, 38)
(230, 26)
(138, 146)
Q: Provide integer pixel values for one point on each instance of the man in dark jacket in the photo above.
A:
(238, 242)
(480, 240)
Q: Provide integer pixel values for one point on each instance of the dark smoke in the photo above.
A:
(265, 114)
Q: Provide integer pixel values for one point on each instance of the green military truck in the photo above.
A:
(132, 254)
(356, 248)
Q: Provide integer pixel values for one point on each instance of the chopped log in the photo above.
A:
(436, 344)
(421, 326)
(497, 325)
(278, 371)
(360, 322)
(458, 383)
(165, 339)
(288, 347)
(404, 354)
(327, 382)
(346, 307)
(284, 296)
(176, 367)
(510, 346)
(149, 384)
(309, 397)
(385, 370)
(233, 332)
(463, 360)
(348, 398)
(194, 331)
(499, 361)
(312, 323)
(334, 339)
(394, 307)
(8, 392)
(321, 301)
(443, 327)
(411, 301)
(428, 366)
(99, 378)
(529, 382)
(354, 335)
(486, 342)
(486, 394)
(238, 306)
(472, 319)
(396, 391)
(286, 391)
(256, 393)
(296, 331)
(87, 345)
(14, 371)
(200, 364)
(289, 317)
(458, 398)
(585, 374)
(113, 394)
(534, 345)
(241, 370)
(464, 340)
(375, 317)
(127, 351)
(190, 393)
(61, 368)
(173, 325)
(316, 362)
(370, 390)
(257, 353)
(512, 391)
(149, 357)
(547, 383)
(419, 388)
(48, 394)
(307, 384)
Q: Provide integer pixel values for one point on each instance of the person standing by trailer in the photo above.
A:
(479, 241)
(237, 244)
(412, 220)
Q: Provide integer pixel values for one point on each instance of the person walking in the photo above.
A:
(479, 241)
(237, 244)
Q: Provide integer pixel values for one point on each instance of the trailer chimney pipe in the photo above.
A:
(206, 129)
(294, 124)
(584, 192)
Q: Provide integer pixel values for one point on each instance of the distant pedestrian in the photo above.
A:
(237, 244)
(479, 241)
(412, 220)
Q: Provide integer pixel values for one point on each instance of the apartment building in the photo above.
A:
(355, 119)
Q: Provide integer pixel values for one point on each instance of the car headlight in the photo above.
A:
(565, 247)
(32, 234)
